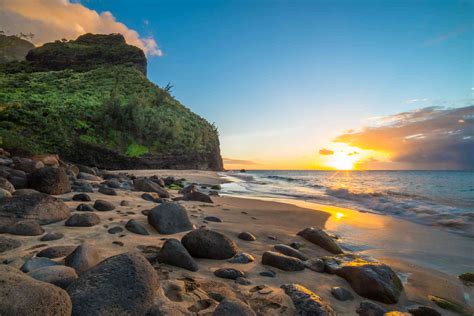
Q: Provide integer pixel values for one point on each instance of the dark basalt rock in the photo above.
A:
(83, 197)
(233, 307)
(321, 238)
(229, 273)
(83, 258)
(307, 302)
(56, 251)
(174, 253)
(197, 196)
(204, 243)
(289, 251)
(135, 227)
(23, 295)
(61, 276)
(84, 208)
(282, 261)
(83, 220)
(147, 185)
(125, 284)
(370, 279)
(30, 204)
(169, 218)
(103, 206)
(107, 191)
(115, 230)
(8, 244)
(50, 180)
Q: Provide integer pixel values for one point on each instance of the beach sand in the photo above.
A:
(264, 219)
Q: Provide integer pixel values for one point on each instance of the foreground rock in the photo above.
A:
(170, 218)
(307, 302)
(146, 185)
(321, 238)
(83, 220)
(50, 180)
(30, 204)
(205, 243)
(8, 244)
(233, 307)
(370, 279)
(125, 284)
(83, 258)
(23, 295)
(174, 253)
(282, 261)
(61, 276)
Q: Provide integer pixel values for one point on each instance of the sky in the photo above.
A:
(299, 84)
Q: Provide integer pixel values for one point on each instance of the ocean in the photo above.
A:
(443, 199)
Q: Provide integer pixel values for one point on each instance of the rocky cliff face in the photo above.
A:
(89, 100)
(13, 48)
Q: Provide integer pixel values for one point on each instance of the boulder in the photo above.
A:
(8, 244)
(205, 243)
(170, 218)
(247, 236)
(367, 308)
(174, 253)
(229, 273)
(341, 294)
(291, 252)
(281, 261)
(29, 204)
(27, 165)
(50, 180)
(83, 220)
(61, 276)
(146, 185)
(23, 295)
(83, 197)
(307, 302)
(135, 227)
(321, 238)
(23, 228)
(56, 251)
(233, 307)
(83, 258)
(107, 191)
(197, 196)
(370, 279)
(6, 185)
(52, 236)
(36, 263)
(103, 206)
(124, 284)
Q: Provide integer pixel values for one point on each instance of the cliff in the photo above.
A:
(89, 100)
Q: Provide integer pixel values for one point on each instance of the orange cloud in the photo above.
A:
(326, 152)
(50, 20)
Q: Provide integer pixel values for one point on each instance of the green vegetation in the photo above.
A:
(112, 106)
(447, 304)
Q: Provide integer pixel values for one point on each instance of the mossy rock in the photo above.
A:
(175, 187)
(447, 304)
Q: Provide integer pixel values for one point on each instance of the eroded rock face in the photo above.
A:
(125, 284)
(370, 279)
(321, 238)
(50, 180)
(205, 243)
(170, 218)
(30, 204)
(23, 295)
(307, 302)
(174, 253)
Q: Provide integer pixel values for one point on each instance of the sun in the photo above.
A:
(342, 162)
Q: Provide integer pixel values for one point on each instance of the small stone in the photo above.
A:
(341, 294)
(36, 263)
(125, 203)
(307, 302)
(368, 308)
(268, 273)
(52, 236)
(103, 206)
(8, 244)
(83, 197)
(56, 251)
(135, 227)
(152, 197)
(25, 228)
(229, 273)
(107, 191)
(320, 238)
(289, 251)
(272, 237)
(174, 253)
(213, 219)
(423, 311)
(197, 196)
(296, 245)
(84, 208)
(170, 218)
(247, 236)
(282, 262)
(119, 243)
(242, 258)
(315, 264)
(83, 220)
(205, 243)
(243, 281)
(115, 230)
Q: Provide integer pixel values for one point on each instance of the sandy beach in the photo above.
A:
(271, 222)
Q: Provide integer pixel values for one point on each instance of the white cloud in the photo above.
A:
(50, 20)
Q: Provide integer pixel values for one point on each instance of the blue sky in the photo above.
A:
(282, 79)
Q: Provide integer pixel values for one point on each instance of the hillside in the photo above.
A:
(90, 101)
(13, 48)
